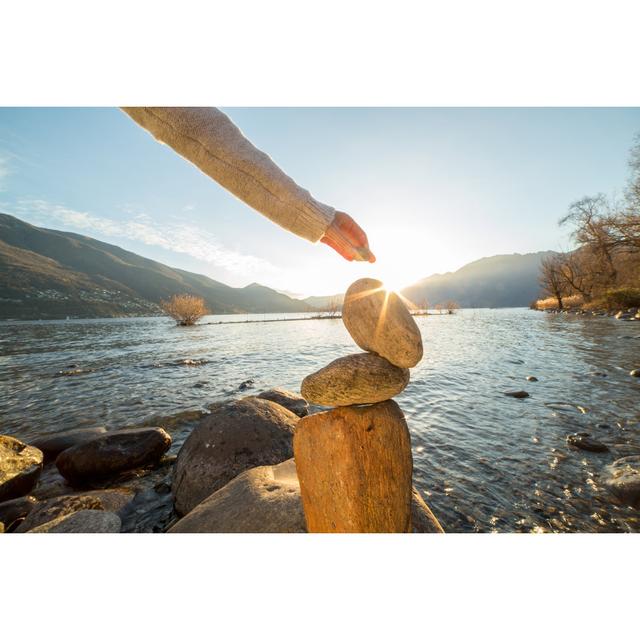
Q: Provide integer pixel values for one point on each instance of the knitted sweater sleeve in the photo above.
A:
(207, 138)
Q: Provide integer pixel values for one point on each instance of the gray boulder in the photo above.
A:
(260, 500)
(20, 467)
(82, 522)
(51, 444)
(287, 399)
(234, 437)
(267, 500)
(622, 478)
(114, 500)
(112, 453)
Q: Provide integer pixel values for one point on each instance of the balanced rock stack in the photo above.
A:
(354, 461)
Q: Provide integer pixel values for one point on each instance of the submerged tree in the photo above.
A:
(185, 309)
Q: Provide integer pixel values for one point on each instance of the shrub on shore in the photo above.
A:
(621, 298)
(185, 309)
(571, 302)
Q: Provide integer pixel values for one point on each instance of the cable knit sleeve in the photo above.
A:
(207, 138)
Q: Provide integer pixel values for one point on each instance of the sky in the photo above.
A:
(433, 188)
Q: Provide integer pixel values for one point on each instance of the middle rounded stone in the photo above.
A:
(361, 378)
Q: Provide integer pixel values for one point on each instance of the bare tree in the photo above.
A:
(633, 186)
(451, 306)
(591, 217)
(552, 279)
(185, 309)
(577, 275)
(438, 308)
(332, 308)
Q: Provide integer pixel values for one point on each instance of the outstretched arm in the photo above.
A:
(207, 138)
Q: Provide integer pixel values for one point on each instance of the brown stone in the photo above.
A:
(112, 453)
(354, 465)
(379, 321)
(236, 436)
(361, 378)
(20, 467)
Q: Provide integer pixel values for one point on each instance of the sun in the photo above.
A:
(393, 275)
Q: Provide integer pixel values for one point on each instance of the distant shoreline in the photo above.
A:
(247, 321)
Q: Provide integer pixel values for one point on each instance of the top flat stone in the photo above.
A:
(379, 321)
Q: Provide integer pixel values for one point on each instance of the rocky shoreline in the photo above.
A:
(632, 313)
(228, 469)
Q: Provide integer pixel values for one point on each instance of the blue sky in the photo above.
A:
(433, 188)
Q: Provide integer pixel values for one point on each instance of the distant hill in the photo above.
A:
(498, 281)
(54, 274)
(323, 303)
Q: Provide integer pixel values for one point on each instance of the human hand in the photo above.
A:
(348, 239)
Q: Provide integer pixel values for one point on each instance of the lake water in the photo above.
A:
(483, 461)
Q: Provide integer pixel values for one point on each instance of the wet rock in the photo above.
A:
(379, 321)
(162, 488)
(12, 512)
(602, 425)
(516, 394)
(236, 436)
(583, 440)
(82, 522)
(635, 373)
(51, 444)
(20, 467)
(623, 315)
(247, 384)
(532, 379)
(287, 399)
(422, 517)
(115, 500)
(622, 478)
(361, 378)
(267, 500)
(112, 453)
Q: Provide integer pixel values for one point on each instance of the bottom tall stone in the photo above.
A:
(354, 465)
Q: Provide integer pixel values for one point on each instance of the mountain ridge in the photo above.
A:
(48, 274)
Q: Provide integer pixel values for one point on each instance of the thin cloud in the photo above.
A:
(4, 172)
(184, 239)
